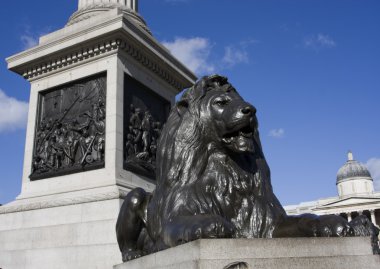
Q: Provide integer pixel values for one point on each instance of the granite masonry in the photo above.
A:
(285, 253)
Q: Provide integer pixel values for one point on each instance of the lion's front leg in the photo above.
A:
(184, 229)
(131, 222)
(362, 226)
(309, 225)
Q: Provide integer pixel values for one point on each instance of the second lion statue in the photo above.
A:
(213, 181)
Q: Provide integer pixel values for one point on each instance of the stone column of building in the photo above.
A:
(131, 4)
(373, 218)
(349, 216)
(90, 8)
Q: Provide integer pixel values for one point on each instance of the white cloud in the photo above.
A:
(277, 133)
(319, 41)
(13, 113)
(28, 41)
(234, 56)
(238, 53)
(373, 165)
(30, 37)
(193, 52)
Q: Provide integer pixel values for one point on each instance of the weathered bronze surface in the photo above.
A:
(213, 181)
(144, 114)
(70, 129)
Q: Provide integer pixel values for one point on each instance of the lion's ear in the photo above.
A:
(182, 106)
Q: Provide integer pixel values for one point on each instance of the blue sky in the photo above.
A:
(311, 67)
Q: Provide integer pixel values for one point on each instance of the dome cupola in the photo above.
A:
(353, 178)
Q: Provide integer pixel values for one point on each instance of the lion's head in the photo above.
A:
(230, 121)
(211, 115)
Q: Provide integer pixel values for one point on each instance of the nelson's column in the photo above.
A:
(101, 89)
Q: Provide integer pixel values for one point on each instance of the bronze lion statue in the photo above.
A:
(213, 181)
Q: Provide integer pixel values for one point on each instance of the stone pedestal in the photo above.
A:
(78, 235)
(110, 46)
(87, 75)
(300, 253)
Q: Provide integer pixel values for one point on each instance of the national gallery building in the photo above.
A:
(356, 196)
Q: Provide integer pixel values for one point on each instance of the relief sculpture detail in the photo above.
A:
(70, 132)
(141, 141)
(145, 112)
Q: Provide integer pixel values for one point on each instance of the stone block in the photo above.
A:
(76, 236)
(73, 257)
(287, 253)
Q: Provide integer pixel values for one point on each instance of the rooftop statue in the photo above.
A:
(213, 181)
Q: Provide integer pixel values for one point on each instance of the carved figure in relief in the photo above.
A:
(70, 149)
(86, 142)
(146, 126)
(129, 146)
(157, 126)
(135, 122)
(141, 141)
(58, 147)
(213, 181)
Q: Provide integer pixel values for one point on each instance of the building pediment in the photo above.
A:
(350, 201)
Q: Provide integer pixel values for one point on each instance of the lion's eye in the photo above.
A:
(221, 102)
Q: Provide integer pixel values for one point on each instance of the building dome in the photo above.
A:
(353, 178)
(352, 169)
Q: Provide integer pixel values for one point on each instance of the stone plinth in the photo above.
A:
(299, 253)
(76, 236)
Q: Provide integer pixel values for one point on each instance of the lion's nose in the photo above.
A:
(247, 110)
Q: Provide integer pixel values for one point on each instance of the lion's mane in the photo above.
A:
(186, 152)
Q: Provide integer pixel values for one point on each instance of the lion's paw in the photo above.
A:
(208, 227)
(184, 229)
(130, 255)
(333, 226)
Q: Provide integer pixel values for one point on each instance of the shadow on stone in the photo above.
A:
(237, 265)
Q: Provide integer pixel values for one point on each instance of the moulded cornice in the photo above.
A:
(117, 34)
(63, 202)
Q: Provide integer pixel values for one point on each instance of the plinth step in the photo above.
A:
(299, 253)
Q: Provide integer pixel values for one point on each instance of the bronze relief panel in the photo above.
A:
(70, 128)
(144, 114)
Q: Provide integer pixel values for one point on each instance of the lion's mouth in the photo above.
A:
(245, 132)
